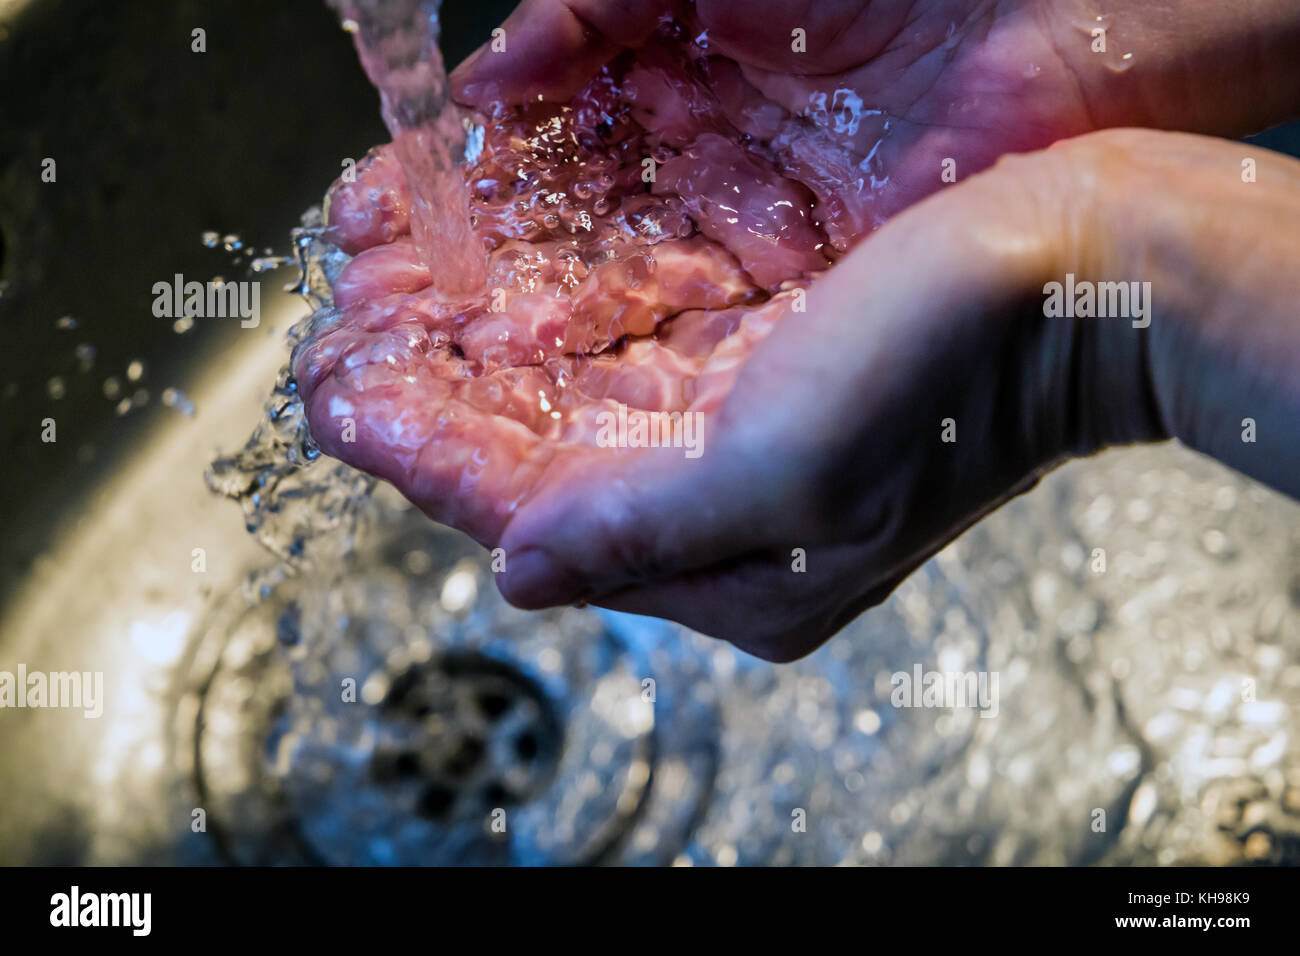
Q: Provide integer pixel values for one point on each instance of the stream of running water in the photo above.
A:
(397, 42)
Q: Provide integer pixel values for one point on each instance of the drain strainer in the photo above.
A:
(403, 713)
(464, 736)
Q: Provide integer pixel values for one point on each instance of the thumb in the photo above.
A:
(605, 522)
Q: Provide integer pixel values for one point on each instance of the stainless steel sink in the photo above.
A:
(1161, 691)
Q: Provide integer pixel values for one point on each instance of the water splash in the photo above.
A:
(299, 505)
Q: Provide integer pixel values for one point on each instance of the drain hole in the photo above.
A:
(408, 764)
(466, 729)
(401, 690)
(389, 767)
(435, 802)
(526, 746)
(467, 756)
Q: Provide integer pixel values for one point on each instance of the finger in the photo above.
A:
(461, 463)
(633, 516)
(371, 208)
(394, 401)
(380, 271)
(551, 48)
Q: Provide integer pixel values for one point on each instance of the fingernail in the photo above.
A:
(534, 579)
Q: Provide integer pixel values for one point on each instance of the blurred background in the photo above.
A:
(1157, 696)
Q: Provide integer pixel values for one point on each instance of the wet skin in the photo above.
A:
(823, 426)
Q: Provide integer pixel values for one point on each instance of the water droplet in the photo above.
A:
(270, 263)
(85, 353)
(175, 398)
(1123, 65)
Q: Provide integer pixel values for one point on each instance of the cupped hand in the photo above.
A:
(759, 177)
(927, 385)
(822, 392)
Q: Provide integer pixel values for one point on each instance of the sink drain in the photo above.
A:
(444, 766)
(403, 713)
(468, 735)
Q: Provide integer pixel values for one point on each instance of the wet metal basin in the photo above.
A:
(1157, 694)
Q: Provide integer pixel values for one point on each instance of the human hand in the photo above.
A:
(443, 414)
(918, 89)
(833, 438)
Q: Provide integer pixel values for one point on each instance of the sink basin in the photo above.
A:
(1158, 687)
